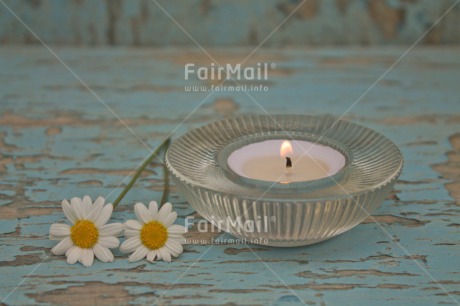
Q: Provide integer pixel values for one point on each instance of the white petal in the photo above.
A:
(142, 213)
(131, 233)
(153, 209)
(174, 247)
(95, 210)
(130, 244)
(69, 212)
(165, 210)
(151, 255)
(177, 237)
(102, 253)
(104, 216)
(87, 257)
(177, 229)
(112, 229)
(86, 206)
(62, 247)
(165, 254)
(99, 202)
(59, 230)
(133, 224)
(77, 207)
(169, 220)
(138, 254)
(108, 242)
(73, 255)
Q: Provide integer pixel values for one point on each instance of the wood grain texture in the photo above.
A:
(230, 23)
(58, 141)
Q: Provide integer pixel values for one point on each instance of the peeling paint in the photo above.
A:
(389, 219)
(241, 23)
(57, 141)
(451, 168)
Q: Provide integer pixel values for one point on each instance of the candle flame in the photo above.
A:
(286, 148)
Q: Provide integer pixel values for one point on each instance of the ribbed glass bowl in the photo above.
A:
(284, 214)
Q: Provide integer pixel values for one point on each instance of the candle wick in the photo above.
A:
(288, 162)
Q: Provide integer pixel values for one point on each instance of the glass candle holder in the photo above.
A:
(365, 166)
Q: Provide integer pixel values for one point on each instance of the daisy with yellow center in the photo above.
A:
(154, 236)
(89, 235)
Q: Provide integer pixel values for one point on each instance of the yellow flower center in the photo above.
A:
(154, 235)
(84, 234)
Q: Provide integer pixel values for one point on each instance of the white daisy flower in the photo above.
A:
(154, 236)
(89, 234)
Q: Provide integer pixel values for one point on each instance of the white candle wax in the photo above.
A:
(262, 161)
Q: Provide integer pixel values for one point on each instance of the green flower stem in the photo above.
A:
(164, 145)
(164, 198)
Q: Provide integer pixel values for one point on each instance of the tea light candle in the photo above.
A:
(285, 161)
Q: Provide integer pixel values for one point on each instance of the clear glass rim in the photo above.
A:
(245, 191)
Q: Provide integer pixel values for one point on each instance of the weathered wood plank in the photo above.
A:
(58, 141)
(230, 23)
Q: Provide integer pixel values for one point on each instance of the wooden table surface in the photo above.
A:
(58, 140)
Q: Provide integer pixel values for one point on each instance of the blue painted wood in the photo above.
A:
(57, 141)
(229, 23)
